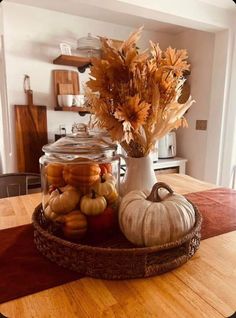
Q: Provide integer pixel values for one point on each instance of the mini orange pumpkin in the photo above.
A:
(105, 168)
(74, 225)
(54, 173)
(82, 175)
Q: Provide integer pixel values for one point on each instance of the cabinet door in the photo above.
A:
(168, 170)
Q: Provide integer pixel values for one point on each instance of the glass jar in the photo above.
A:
(80, 184)
(89, 46)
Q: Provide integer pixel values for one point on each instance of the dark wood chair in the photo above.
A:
(14, 184)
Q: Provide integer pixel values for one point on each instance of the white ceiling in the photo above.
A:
(89, 9)
(80, 8)
(225, 4)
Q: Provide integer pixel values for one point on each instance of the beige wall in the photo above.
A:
(192, 143)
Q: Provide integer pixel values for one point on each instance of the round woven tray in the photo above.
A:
(115, 258)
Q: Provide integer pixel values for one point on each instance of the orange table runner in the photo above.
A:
(218, 208)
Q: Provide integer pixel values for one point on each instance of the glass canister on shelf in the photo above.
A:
(89, 46)
(80, 184)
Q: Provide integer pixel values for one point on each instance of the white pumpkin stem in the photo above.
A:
(154, 195)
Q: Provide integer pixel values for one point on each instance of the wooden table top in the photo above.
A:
(203, 287)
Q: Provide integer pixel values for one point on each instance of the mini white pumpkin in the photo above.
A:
(93, 204)
(155, 220)
(106, 187)
(49, 214)
(64, 200)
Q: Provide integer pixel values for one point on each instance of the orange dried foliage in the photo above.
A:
(134, 95)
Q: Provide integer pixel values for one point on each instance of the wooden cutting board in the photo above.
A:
(66, 89)
(65, 77)
(31, 135)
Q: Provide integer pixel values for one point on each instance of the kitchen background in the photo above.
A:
(32, 36)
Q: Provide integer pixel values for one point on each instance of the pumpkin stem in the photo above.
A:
(59, 190)
(154, 195)
(93, 194)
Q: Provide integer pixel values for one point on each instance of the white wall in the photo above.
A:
(192, 143)
(1, 97)
(228, 158)
(218, 107)
(5, 140)
(1, 19)
(32, 37)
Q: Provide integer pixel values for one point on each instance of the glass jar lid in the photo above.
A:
(89, 43)
(82, 142)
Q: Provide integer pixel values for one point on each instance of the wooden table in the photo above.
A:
(203, 287)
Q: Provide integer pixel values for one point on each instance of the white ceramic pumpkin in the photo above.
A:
(155, 219)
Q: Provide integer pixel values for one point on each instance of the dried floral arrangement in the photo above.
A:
(136, 98)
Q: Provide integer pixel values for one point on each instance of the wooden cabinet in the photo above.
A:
(167, 170)
(164, 166)
(170, 165)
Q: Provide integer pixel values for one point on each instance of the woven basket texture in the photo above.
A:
(116, 257)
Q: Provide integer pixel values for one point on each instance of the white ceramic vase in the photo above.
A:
(139, 174)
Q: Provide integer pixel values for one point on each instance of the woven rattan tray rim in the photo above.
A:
(136, 250)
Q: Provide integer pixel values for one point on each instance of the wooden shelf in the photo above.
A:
(72, 60)
(83, 110)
